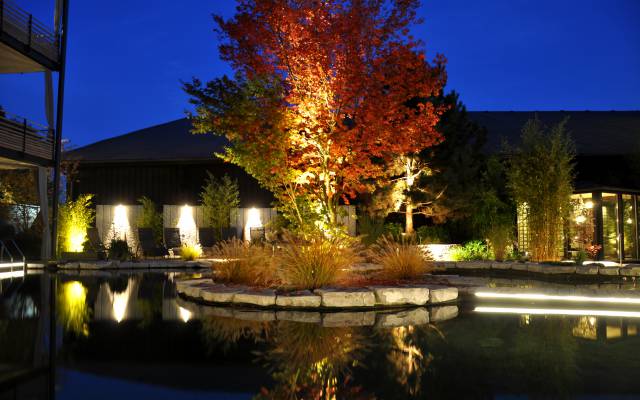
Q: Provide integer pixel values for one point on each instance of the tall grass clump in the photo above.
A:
(317, 261)
(401, 260)
(243, 263)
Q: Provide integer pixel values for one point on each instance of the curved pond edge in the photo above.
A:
(386, 318)
(206, 291)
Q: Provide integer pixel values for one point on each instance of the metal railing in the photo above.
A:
(24, 136)
(21, 25)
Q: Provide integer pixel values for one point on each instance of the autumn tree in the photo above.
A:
(326, 86)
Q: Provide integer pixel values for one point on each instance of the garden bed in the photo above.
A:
(330, 298)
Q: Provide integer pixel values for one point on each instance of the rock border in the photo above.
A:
(134, 265)
(628, 270)
(375, 297)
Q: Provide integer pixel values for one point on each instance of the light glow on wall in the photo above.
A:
(558, 311)
(546, 297)
(439, 252)
(121, 227)
(187, 226)
(77, 237)
(253, 221)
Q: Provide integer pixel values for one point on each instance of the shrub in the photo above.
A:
(190, 252)
(219, 198)
(317, 261)
(371, 229)
(400, 260)
(150, 218)
(433, 234)
(499, 238)
(394, 230)
(243, 263)
(119, 250)
(474, 250)
(74, 219)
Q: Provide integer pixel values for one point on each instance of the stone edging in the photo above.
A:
(205, 290)
(384, 319)
(536, 268)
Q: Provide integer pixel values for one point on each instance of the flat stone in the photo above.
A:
(356, 318)
(443, 313)
(302, 298)
(587, 270)
(473, 265)
(630, 270)
(253, 315)
(69, 265)
(263, 297)
(501, 265)
(609, 271)
(98, 264)
(195, 289)
(220, 293)
(416, 316)
(366, 267)
(347, 297)
(444, 265)
(558, 269)
(441, 294)
(399, 295)
(536, 268)
(520, 267)
(309, 317)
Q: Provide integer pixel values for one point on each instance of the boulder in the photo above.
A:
(558, 269)
(501, 265)
(400, 295)
(261, 297)
(441, 294)
(346, 297)
(302, 298)
(520, 266)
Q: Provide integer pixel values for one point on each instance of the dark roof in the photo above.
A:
(171, 141)
(594, 132)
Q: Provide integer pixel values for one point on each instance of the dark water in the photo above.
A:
(119, 336)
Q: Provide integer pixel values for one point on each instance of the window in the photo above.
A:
(629, 224)
(610, 225)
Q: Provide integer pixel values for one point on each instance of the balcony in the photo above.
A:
(23, 141)
(26, 44)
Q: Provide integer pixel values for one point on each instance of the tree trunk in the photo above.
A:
(408, 218)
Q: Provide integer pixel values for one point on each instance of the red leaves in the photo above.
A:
(335, 59)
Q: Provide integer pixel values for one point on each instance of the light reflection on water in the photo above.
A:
(129, 336)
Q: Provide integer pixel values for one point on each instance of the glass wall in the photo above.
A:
(610, 225)
(582, 223)
(629, 224)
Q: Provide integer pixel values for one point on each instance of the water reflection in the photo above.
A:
(132, 328)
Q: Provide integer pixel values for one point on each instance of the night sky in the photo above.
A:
(126, 58)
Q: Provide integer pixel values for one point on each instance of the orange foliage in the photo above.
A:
(355, 84)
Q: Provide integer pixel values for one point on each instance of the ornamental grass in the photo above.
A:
(317, 261)
(401, 260)
(244, 263)
(190, 252)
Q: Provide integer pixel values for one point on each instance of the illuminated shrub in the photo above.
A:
(474, 250)
(401, 260)
(317, 261)
(190, 252)
(243, 263)
(74, 219)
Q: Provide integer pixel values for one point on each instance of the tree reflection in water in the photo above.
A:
(73, 311)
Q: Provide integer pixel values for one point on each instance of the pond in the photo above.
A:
(127, 336)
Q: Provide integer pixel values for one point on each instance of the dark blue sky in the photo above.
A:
(126, 58)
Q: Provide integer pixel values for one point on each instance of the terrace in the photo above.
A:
(26, 44)
(24, 140)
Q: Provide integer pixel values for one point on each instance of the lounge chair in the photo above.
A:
(207, 239)
(172, 240)
(148, 245)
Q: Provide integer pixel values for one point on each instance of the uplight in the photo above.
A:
(185, 315)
